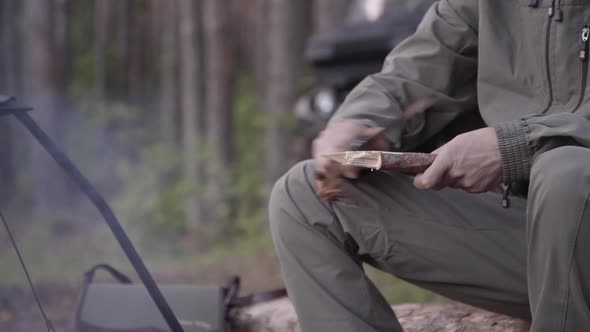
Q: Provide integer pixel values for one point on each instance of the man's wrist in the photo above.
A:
(515, 150)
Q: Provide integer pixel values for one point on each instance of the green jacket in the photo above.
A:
(522, 63)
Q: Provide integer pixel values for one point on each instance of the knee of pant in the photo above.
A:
(559, 186)
(561, 174)
(292, 187)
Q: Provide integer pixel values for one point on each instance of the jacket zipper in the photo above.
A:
(584, 58)
(506, 187)
(547, 66)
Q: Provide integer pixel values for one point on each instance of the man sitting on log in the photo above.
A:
(523, 65)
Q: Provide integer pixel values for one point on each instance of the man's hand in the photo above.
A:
(470, 161)
(339, 137)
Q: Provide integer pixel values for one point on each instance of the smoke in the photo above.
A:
(114, 146)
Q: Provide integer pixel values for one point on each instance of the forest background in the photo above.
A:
(179, 111)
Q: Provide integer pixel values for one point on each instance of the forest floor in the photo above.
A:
(58, 264)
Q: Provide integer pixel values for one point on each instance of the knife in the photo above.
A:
(405, 162)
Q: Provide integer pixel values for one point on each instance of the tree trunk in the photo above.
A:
(260, 54)
(62, 46)
(41, 83)
(280, 84)
(248, 15)
(8, 86)
(166, 14)
(190, 104)
(329, 14)
(136, 68)
(279, 316)
(221, 67)
(100, 41)
(8, 36)
(123, 46)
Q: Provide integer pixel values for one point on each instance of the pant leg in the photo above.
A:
(558, 237)
(325, 280)
(460, 245)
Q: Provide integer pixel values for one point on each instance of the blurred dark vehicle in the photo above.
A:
(342, 58)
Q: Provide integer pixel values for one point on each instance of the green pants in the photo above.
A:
(525, 261)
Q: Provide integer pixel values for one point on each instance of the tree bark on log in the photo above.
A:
(279, 316)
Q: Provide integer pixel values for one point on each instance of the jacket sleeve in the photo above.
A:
(438, 61)
(522, 140)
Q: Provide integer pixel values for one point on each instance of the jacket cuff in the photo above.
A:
(516, 151)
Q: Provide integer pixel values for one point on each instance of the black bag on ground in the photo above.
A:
(127, 307)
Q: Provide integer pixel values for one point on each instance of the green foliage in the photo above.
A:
(152, 191)
(114, 146)
(82, 82)
(118, 150)
(153, 194)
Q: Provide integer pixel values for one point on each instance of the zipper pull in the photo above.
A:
(552, 9)
(505, 191)
(585, 37)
